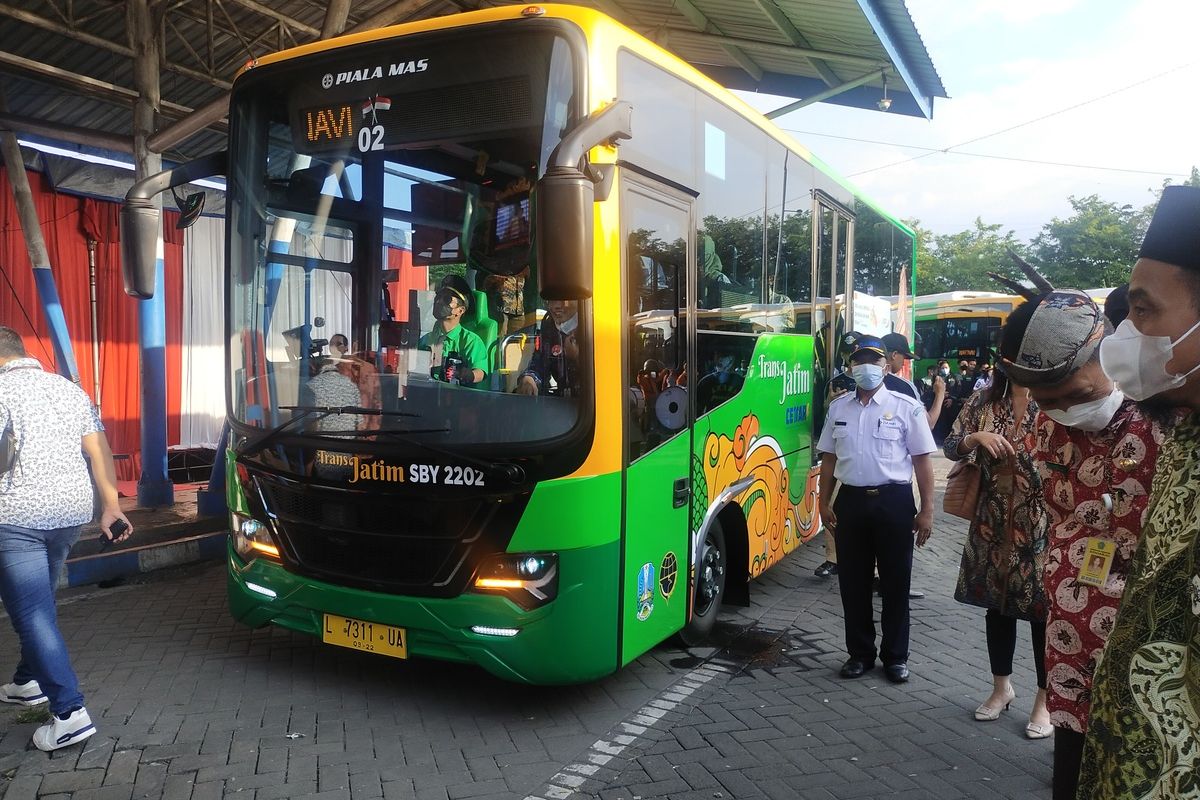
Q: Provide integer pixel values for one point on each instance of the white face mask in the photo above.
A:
(867, 376)
(1138, 363)
(1091, 416)
(568, 326)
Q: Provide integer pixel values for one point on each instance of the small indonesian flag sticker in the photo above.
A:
(376, 104)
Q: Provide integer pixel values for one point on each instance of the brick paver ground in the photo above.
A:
(782, 724)
(192, 705)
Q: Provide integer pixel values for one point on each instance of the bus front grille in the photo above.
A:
(382, 542)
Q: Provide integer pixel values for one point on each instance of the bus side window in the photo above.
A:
(656, 270)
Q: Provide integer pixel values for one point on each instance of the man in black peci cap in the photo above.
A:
(872, 440)
(1145, 719)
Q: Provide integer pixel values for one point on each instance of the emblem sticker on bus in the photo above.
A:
(668, 571)
(645, 592)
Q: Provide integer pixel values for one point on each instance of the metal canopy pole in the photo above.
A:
(210, 113)
(154, 486)
(830, 92)
(39, 257)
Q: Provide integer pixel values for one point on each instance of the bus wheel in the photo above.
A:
(710, 586)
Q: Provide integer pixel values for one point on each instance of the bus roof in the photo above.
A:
(958, 297)
(590, 21)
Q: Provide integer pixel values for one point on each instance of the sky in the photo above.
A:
(1088, 83)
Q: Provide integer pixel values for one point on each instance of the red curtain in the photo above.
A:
(67, 222)
(410, 277)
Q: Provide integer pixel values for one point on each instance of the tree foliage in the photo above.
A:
(1095, 246)
(961, 261)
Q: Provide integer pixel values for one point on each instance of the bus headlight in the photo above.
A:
(528, 579)
(251, 539)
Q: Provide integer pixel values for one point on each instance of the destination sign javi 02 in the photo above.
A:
(328, 124)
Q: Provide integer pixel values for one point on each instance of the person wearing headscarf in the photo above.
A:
(1144, 740)
(1095, 450)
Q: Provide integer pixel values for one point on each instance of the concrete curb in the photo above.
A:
(82, 570)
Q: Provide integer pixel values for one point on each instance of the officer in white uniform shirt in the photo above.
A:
(872, 441)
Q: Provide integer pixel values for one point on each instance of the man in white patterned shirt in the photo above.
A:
(45, 496)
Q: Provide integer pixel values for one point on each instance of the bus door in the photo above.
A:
(833, 300)
(657, 232)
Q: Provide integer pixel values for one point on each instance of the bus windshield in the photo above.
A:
(381, 281)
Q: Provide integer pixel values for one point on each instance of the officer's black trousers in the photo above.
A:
(874, 527)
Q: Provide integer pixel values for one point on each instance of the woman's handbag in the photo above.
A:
(962, 490)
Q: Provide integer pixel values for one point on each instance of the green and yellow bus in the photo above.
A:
(639, 245)
(954, 325)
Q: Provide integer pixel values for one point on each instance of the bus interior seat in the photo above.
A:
(482, 325)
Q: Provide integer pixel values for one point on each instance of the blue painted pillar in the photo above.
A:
(39, 257)
(211, 502)
(281, 237)
(60, 337)
(154, 486)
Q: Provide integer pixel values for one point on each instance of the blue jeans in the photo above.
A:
(30, 562)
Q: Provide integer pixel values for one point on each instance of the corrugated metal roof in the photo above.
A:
(792, 48)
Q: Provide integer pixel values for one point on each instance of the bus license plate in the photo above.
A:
(370, 637)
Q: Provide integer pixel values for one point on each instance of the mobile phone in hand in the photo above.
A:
(114, 532)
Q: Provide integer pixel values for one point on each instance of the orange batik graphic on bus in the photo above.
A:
(775, 524)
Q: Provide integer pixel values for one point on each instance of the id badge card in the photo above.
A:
(1097, 561)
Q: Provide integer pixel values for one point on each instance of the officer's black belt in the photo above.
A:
(872, 491)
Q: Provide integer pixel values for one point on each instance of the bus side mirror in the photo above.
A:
(141, 224)
(140, 229)
(564, 223)
(564, 206)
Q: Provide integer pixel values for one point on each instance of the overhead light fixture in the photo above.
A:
(885, 102)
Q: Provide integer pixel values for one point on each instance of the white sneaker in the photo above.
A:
(60, 732)
(23, 694)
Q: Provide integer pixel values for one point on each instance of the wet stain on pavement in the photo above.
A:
(754, 647)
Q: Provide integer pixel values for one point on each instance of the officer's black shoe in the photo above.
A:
(896, 673)
(854, 668)
(825, 570)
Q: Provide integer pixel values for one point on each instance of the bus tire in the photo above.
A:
(712, 567)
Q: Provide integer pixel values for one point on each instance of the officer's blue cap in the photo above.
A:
(869, 344)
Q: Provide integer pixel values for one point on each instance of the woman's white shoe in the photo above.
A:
(1036, 730)
(986, 713)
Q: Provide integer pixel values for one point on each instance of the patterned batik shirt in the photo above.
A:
(1095, 485)
(1144, 738)
(49, 485)
(1004, 555)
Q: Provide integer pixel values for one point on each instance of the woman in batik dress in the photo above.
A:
(1002, 559)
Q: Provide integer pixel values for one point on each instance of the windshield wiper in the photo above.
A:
(508, 471)
(305, 412)
(377, 412)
